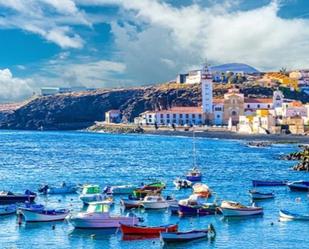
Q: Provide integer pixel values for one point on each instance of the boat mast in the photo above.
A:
(193, 148)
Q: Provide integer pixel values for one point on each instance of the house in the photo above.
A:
(175, 115)
(113, 116)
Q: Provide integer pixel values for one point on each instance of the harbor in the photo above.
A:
(227, 166)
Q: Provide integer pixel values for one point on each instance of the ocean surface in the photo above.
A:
(29, 159)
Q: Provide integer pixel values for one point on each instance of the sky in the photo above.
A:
(123, 43)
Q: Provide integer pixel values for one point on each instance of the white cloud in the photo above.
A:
(12, 88)
(52, 19)
(186, 35)
(101, 73)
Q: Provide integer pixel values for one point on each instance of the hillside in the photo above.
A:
(80, 110)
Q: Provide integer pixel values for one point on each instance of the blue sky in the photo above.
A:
(117, 43)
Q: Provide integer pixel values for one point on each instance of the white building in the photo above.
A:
(175, 115)
(113, 116)
(194, 77)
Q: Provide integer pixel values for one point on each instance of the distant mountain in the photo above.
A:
(235, 67)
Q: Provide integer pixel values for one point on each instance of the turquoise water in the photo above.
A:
(30, 158)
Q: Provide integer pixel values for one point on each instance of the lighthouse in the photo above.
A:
(206, 79)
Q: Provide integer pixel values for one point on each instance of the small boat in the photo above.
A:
(195, 206)
(174, 237)
(44, 215)
(292, 216)
(154, 202)
(122, 189)
(255, 195)
(8, 209)
(155, 230)
(258, 144)
(182, 183)
(142, 193)
(201, 190)
(30, 206)
(230, 209)
(298, 186)
(92, 193)
(258, 183)
(155, 186)
(194, 175)
(98, 216)
(131, 202)
(63, 189)
(11, 198)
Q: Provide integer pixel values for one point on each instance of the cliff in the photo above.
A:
(80, 110)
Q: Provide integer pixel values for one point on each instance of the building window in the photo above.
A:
(200, 116)
(218, 109)
(258, 106)
(150, 120)
(180, 115)
(174, 121)
(150, 116)
(167, 116)
(248, 106)
(187, 115)
(174, 115)
(167, 121)
(218, 116)
(268, 106)
(161, 115)
(234, 113)
(193, 115)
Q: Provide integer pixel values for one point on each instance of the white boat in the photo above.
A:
(286, 215)
(230, 209)
(44, 215)
(63, 189)
(182, 183)
(154, 202)
(98, 216)
(201, 190)
(8, 209)
(91, 193)
(255, 195)
(122, 189)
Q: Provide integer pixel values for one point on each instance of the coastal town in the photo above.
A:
(234, 111)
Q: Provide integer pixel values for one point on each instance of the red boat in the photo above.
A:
(128, 229)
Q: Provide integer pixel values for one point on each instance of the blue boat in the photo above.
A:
(255, 195)
(194, 175)
(298, 186)
(258, 183)
(198, 210)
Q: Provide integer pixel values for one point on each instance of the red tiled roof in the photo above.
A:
(183, 109)
(259, 100)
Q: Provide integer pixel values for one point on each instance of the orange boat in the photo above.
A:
(129, 229)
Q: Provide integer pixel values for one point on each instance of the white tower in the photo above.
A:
(206, 91)
(277, 99)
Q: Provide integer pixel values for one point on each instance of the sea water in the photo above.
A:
(29, 159)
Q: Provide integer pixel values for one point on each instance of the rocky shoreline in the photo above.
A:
(301, 156)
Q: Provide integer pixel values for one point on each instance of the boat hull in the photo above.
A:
(183, 237)
(236, 212)
(128, 204)
(90, 221)
(299, 186)
(155, 205)
(261, 196)
(128, 229)
(194, 178)
(194, 211)
(291, 216)
(35, 216)
(8, 209)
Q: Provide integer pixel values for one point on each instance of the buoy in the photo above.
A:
(59, 200)
(53, 227)
(271, 223)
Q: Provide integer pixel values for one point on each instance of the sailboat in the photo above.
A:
(194, 175)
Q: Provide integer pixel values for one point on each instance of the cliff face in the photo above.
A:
(80, 110)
